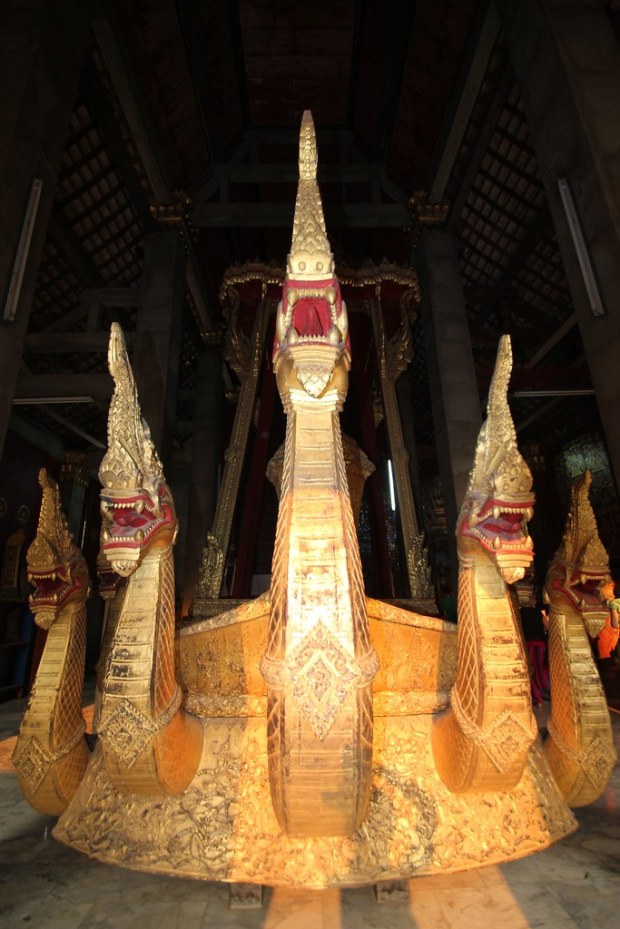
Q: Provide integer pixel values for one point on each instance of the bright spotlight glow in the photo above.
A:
(391, 482)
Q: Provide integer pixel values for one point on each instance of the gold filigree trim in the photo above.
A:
(322, 674)
(127, 730)
(596, 760)
(226, 705)
(506, 737)
(34, 761)
(211, 570)
(368, 276)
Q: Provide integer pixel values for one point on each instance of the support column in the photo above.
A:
(74, 480)
(566, 61)
(452, 376)
(42, 47)
(158, 337)
(381, 551)
(247, 363)
(393, 356)
(204, 466)
(253, 496)
(403, 397)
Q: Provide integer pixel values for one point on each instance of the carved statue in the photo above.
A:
(483, 741)
(149, 744)
(319, 663)
(316, 737)
(51, 752)
(580, 749)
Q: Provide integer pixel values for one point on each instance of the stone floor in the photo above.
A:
(573, 885)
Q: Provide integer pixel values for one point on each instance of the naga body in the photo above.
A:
(482, 742)
(579, 747)
(319, 663)
(149, 744)
(51, 752)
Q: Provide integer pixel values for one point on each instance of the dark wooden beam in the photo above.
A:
(345, 215)
(398, 24)
(112, 296)
(474, 63)
(356, 57)
(108, 34)
(58, 343)
(71, 249)
(478, 151)
(196, 52)
(527, 245)
(56, 386)
(115, 144)
(239, 56)
(109, 39)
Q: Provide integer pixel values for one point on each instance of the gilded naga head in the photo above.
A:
(56, 568)
(312, 347)
(580, 568)
(136, 503)
(499, 500)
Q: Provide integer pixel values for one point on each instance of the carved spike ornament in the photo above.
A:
(318, 738)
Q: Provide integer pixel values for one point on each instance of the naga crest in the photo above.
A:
(312, 348)
(136, 503)
(56, 569)
(499, 500)
(580, 567)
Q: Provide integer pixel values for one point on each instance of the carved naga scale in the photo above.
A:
(314, 737)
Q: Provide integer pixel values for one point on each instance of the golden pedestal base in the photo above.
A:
(223, 826)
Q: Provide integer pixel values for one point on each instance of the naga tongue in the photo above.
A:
(307, 319)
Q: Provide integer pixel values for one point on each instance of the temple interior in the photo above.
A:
(469, 178)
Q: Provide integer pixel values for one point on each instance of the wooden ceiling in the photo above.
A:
(205, 97)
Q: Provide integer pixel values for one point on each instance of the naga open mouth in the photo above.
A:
(502, 526)
(130, 525)
(311, 314)
(501, 529)
(583, 592)
(52, 588)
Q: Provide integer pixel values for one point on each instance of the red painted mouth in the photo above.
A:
(502, 526)
(131, 525)
(53, 588)
(583, 590)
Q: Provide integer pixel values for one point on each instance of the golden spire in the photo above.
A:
(131, 459)
(499, 468)
(581, 544)
(310, 258)
(53, 541)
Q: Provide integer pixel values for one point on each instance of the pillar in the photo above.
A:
(393, 356)
(204, 464)
(42, 48)
(246, 357)
(452, 376)
(157, 346)
(566, 61)
(74, 480)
